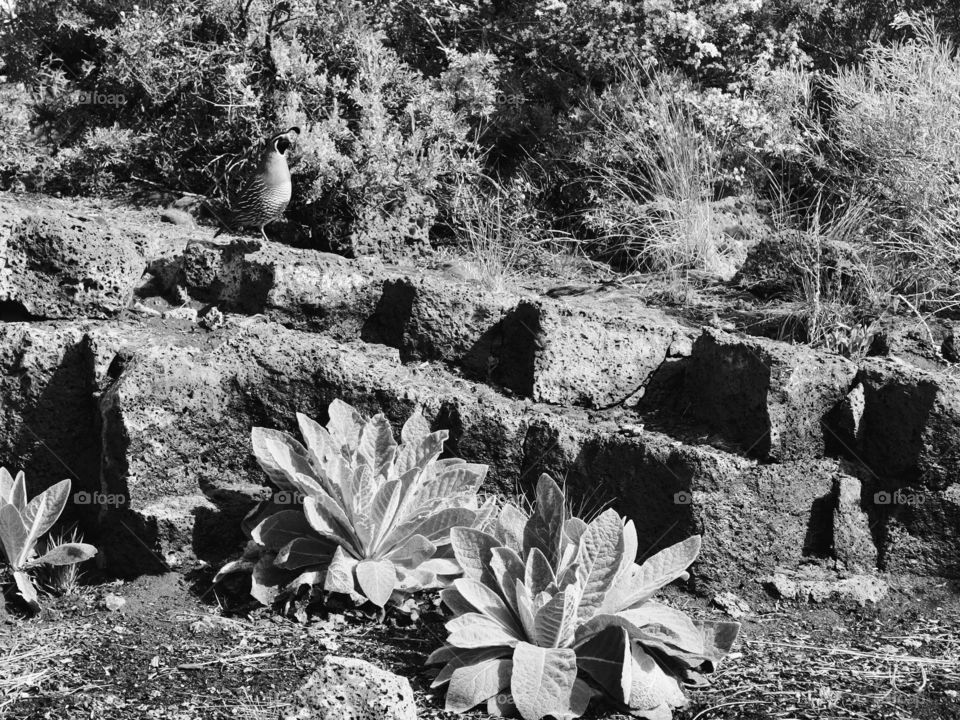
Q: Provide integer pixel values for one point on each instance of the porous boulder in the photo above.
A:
(353, 689)
(54, 265)
(432, 316)
(304, 288)
(559, 353)
(769, 398)
(909, 423)
(48, 420)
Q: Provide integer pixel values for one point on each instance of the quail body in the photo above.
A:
(266, 194)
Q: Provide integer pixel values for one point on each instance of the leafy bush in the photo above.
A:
(556, 610)
(375, 517)
(23, 524)
(651, 176)
(182, 93)
(892, 143)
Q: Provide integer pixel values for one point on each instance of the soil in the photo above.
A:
(179, 649)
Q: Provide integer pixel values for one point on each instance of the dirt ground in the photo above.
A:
(179, 650)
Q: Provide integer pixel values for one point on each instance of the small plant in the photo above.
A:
(23, 523)
(557, 611)
(375, 516)
(851, 341)
(62, 579)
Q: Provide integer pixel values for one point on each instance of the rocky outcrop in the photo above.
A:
(769, 398)
(54, 265)
(779, 455)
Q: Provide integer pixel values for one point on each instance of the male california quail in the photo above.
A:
(267, 192)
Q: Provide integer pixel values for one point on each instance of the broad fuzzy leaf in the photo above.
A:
(345, 424)
(507, 569)
(340, 576)
(281, 529)
(66, 554)
(415, 428)
(667, 624)
(420, 453)
(455, 657)
(266, 580)
(325, 523)
(606, 658)
(538, 573)
(544, 530)
(475, 630)
(599, 559)
(718, 638)
(27, 591)
(304, 552)
(13, 534)
(6, 487)
(413, 552)
(639, 582)
(650, 686)
(377, 443)
(554, 622)
(473, 684)
(376, 579)
(18, 494)
(40, 514)
(280, 456)
(472, 549)
(487, 601)
(542, 680)
(456, 602)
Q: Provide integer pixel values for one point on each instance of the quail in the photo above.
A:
(265, 195)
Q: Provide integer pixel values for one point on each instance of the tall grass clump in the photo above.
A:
(651, 178)
(892, 142)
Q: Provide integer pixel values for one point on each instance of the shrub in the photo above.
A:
(182, 93)
(892, 143)
(651, 175)
(375, 517)
(556, 610)
(23, 524)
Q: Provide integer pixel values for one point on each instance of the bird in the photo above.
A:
(265, 195)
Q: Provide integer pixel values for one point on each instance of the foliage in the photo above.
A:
(23, 524)
(651, 173)
(374, 517)
(182, 93)
(892, 143)
(556, 610)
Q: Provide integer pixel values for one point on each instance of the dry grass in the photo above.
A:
(893, 141)
(25, 669)
(652, 171)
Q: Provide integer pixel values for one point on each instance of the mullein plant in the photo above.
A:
(552, 611)
(357, 513)
(23, 524)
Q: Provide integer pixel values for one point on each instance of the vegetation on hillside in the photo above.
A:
(499, 127)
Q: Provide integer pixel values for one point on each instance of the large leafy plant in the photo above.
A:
(356, 512)
(556, 610)
(23, 523)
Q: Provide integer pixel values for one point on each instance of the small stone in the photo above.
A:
(177, 217)
(782, 586)
(732, 605)
(114, 602)
(352, 689)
